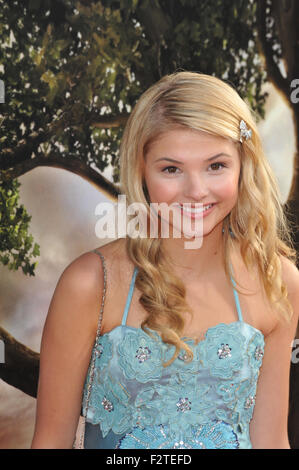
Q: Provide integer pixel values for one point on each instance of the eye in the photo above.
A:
(171, 168)
(218, 163)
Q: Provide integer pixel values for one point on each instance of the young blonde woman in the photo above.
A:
(159, 346)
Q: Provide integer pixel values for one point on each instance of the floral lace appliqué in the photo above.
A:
(256, 350)
(203, 404)
(104, 351)
(106, 408)
(140, 356)
(181, 407)
(222, 350)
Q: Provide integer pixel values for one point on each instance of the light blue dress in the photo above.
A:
(136, 403)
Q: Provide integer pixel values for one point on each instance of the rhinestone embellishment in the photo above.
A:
(249, 402)
(183, 356)
(244, 131)
(224, 351)
(99, 350)
(180, 445)
(258, 354)
(183, 405)
(107, 405)
(143, 353)
(215, 435)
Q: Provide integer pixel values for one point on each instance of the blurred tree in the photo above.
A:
(73, 70)
(278, 39)
(278, 42)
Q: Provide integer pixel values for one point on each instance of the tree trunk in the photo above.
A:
(21, 365)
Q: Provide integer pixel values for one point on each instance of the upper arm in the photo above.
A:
(66, 347)
(268, 428)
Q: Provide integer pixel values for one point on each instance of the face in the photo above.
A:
(186, 166)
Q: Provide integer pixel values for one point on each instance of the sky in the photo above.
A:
(62, 206)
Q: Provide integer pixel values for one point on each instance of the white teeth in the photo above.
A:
(196, 211)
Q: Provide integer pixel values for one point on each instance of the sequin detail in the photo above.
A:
(99, 351)
(143, 353)
(107, 405)
(183, 357)
(224, 351)
(183, 405)
(259, 353)
(250, 401)
(216, 435)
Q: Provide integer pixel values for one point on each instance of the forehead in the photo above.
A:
(182, 142)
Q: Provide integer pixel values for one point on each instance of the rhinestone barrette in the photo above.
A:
(244, 131)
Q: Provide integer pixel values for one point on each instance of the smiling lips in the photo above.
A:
(196, 212)
(194, 209)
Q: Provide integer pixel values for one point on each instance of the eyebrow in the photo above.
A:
(207, 160)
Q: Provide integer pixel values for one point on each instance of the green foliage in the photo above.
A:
(16, 246)
(70, 63)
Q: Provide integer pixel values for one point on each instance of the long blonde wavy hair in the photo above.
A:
(205, 103)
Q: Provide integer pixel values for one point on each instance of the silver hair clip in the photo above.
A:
(244, 131)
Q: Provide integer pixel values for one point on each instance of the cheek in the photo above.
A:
(227, 187)
(158, 190)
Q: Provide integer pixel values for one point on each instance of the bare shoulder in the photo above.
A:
(255, 299)
(114, 250)
(86, 271)
(290, 275)
(78, 292)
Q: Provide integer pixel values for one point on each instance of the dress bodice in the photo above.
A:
(135, 402)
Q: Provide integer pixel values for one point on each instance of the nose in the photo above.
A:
(195, 187)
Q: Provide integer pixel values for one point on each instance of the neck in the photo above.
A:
(198, 262)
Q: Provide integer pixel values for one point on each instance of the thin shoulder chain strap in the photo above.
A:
(79, 439)
(91, 375)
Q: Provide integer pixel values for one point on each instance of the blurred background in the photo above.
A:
(72, 73)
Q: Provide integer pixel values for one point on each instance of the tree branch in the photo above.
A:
(105, 122)
(21, 366)
(25, 148)
(76, 166)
